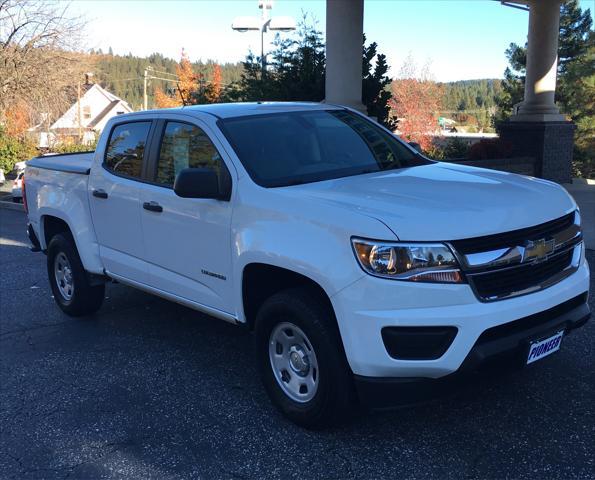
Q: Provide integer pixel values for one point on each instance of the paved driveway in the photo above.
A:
(149, 389)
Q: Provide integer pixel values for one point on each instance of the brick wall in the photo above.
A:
(550, 143)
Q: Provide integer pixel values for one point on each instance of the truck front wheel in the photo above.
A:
(301, 361)
(71, 288)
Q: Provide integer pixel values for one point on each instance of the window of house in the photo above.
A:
(185, 146)
(126, 148)
(86, 112)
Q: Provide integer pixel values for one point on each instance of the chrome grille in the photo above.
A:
(522, 261)
(513, 238)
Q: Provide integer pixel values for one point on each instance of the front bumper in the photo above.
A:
(369, 305)
(503, 346)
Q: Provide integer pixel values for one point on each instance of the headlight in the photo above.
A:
(417, 262)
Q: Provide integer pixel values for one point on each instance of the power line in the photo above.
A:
(152, 77)
(124, 79)
(151, 69)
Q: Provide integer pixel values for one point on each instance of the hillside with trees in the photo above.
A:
(471, 102)
(468, 102)
(123, 75)
(466, 95)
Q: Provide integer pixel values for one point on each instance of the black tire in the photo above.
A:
(334, 399)
(85, 298)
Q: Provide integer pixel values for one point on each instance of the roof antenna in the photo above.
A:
(184, 101)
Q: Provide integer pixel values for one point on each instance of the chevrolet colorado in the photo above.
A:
(369, 273)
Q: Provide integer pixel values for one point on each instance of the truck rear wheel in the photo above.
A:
(72, 291)
(301, 361)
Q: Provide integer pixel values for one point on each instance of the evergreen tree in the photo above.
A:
(375, 92)
(579, 103)
(297, 72)
(123, 75)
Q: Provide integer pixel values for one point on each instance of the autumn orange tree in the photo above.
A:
(415, 102)
(17, 118)
(215, 87)
(192, 86)
(187, 84)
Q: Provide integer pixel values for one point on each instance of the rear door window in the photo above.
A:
(126, 149)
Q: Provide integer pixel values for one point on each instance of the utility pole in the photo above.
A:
(145, 90)
(79, 112)
(152, 74)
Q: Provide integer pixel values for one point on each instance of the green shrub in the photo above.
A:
(583, 162)
(435, 152)
(72, 147)
(456, 148)
(453, 148)
(13, 150)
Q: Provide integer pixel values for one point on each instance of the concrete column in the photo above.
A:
(542, 63)
(344, 40)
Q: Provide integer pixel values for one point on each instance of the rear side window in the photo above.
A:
(126, 148)
(185, 146)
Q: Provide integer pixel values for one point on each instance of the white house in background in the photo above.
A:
(97, 106)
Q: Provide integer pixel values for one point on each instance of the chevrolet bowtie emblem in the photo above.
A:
(538, 249)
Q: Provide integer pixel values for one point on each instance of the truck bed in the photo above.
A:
(79, 162)
(57, 187)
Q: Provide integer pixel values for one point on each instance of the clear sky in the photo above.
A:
(462, 39)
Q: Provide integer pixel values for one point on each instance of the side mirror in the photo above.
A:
(203, 183)
(416, 146)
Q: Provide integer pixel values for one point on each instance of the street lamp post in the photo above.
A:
(263, 24)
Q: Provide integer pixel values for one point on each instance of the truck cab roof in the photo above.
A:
(229, 110)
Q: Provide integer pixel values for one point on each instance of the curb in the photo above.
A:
(17, 207)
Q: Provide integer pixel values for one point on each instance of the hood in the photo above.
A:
(443, 201)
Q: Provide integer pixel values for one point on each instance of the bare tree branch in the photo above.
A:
(40, 57)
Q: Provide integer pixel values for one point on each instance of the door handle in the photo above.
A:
(100, 193)
(153, 207)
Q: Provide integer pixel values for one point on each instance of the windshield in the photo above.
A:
(290, 148)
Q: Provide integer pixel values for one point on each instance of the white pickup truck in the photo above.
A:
(369, 274)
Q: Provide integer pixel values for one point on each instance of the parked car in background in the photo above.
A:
(368, 272)
(20, 167)
(17, 188)
(2, 177)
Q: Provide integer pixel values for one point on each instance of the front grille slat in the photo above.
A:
(513, 238)
(501, 283)
(495, 283)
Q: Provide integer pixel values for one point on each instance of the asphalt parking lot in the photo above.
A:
(149, 389)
